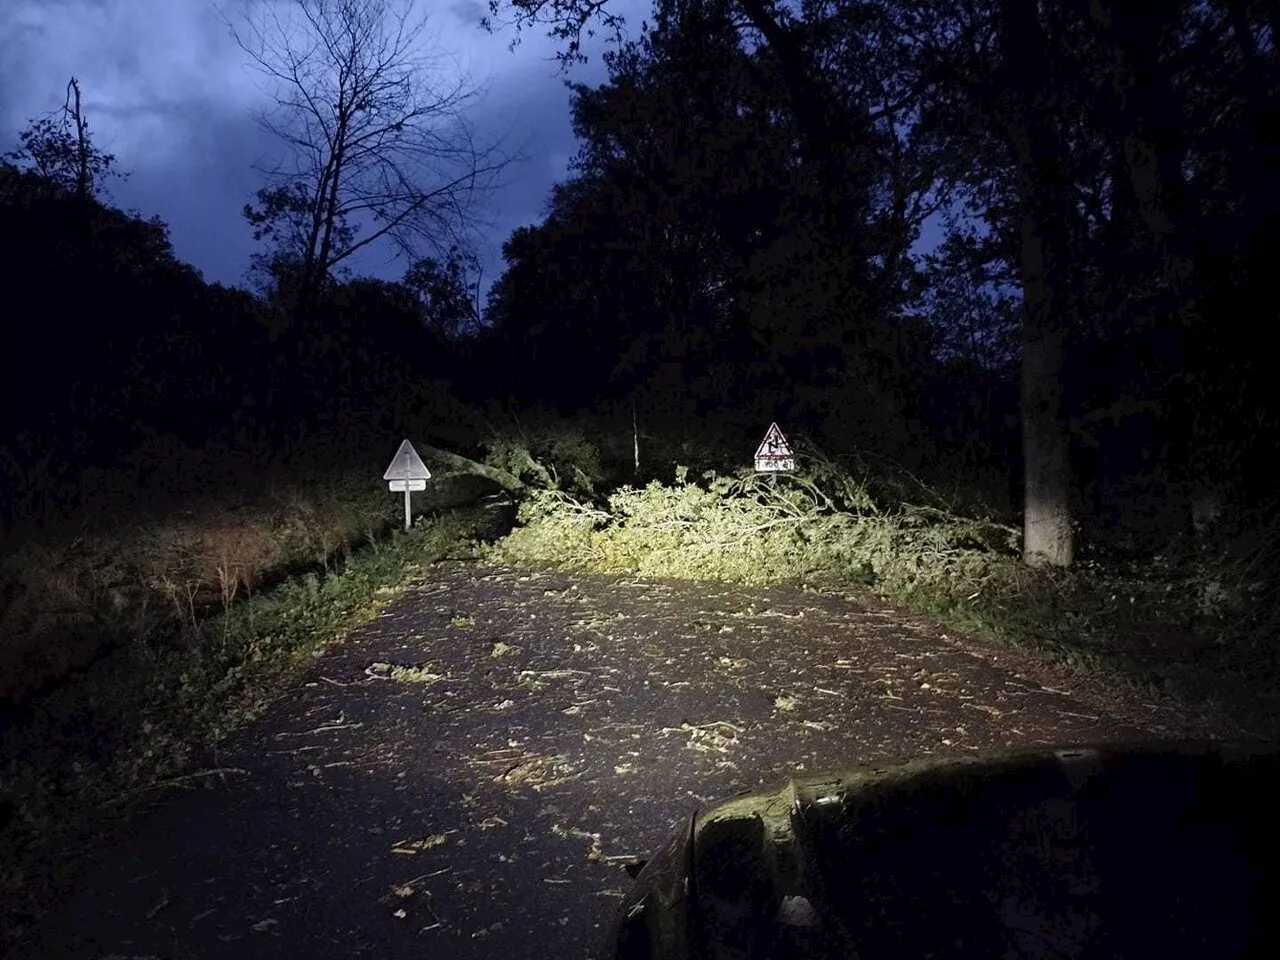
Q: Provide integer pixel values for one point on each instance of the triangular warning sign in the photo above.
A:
(774, 453)
(774, 445)
(407, 465)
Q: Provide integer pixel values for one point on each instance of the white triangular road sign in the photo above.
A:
(407, 465)
(774, 453)
(774, 444)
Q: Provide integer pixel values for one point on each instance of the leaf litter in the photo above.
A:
(615, 691)
(421, 844)
(405, 673)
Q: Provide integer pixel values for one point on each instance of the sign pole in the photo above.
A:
(407, 521)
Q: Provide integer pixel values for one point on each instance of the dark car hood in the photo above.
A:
(1154, 850)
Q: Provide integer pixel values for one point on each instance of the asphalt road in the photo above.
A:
(469, 775)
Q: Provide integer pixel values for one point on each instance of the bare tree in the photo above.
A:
(378, 145)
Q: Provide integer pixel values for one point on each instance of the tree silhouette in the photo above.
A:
(447, 295)
(1124, 161)
(60, 149)
(378, 146)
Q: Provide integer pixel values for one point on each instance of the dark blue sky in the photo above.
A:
(167, 91)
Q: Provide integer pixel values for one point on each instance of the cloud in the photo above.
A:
(469, 12)
(168, 91)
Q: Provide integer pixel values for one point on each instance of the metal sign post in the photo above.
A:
(408, 473)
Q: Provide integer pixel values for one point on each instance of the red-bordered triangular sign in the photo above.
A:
(774, 446)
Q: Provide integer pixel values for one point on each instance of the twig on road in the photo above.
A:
(176, 782)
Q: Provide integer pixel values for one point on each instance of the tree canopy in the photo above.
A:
(733, 243)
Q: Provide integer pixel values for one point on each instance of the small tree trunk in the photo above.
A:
(635, 434)
(84, 171)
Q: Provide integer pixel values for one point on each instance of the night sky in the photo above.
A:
(167, 91)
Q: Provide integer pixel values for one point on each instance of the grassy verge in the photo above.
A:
(174, 634)
(1189, 626)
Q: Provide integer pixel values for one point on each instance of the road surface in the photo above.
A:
(469, 775)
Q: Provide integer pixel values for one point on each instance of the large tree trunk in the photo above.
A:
(1048, 533)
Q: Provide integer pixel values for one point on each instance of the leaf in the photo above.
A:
(412, 847)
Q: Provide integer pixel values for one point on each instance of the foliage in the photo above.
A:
(447, 296)
(181, 380)
(971, 303)
(1115, 162)
(751, 529)
(1153, 350)
(690, 263)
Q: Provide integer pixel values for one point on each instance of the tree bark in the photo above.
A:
(1048, 535)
